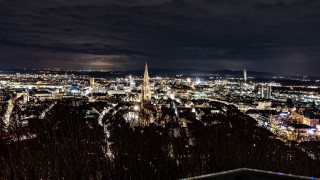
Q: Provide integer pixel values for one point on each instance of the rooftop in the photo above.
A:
(250, 174)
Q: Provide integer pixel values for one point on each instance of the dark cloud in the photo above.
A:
(266, 35)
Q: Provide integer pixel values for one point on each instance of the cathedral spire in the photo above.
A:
(145, 90)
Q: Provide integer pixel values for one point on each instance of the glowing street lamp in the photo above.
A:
(136, 108)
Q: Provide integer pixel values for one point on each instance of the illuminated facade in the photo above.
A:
(92, 82)
(145, 89)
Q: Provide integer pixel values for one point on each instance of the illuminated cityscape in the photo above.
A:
(280, 106)
(159, 89)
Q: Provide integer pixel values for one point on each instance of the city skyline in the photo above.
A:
(175, 125)
(266, 36)
(159, 89)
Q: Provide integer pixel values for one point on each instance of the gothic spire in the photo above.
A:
(145, 90)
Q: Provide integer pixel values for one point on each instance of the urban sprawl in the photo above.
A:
(290, 112)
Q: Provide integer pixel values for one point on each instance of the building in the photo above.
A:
(266, 92)
(92, 82)
(145, 89)
(264, 105)
(262, 92)
(298, 132)
(269, 91)
(245, 76)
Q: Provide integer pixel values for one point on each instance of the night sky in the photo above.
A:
(278, 36)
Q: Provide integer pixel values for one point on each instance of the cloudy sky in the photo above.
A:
(279, 36)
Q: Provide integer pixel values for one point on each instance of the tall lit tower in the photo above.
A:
(145, 90)
(91, 81)
(269, 92)
(263, 89)
(245, 75)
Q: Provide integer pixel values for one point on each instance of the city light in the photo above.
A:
(159, 89)
(136, 108)
(288, 113)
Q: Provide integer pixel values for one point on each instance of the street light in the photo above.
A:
(136, 108)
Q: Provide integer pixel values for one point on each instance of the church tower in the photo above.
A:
(145, 90)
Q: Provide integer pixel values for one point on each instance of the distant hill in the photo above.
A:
(194, 72)
(249, 73)
(152, 72)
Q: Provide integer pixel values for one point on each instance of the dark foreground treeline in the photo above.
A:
(68, 146)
